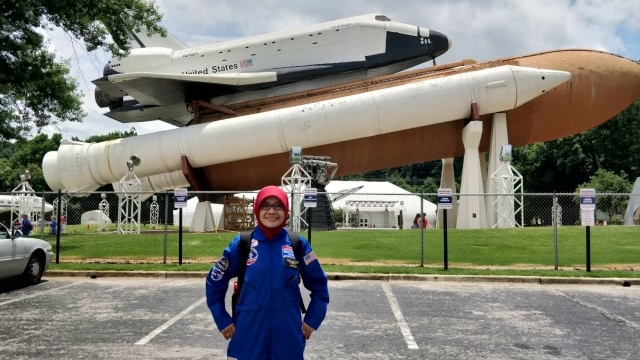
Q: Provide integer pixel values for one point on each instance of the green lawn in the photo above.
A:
(615, 251)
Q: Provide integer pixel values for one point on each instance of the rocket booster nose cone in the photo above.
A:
(50, 170)
(532, 83)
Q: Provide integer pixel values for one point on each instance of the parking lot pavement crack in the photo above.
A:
(39, 293)
(599, 310)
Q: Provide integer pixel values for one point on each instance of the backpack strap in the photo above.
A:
(294, 238)
(296, 244)
(245, 249)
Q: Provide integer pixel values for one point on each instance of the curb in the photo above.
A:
(358, 276)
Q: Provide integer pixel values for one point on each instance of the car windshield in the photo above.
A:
(4, 231)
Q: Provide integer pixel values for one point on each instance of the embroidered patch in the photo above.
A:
(287, 252)
(216, 274)
(222, 264)
(291, 263)
(254, 243)
(309, 258)
(253, 257)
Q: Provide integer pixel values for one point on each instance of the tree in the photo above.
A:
(110, 136)
(27, 155)
(35, 88)
(604, 181)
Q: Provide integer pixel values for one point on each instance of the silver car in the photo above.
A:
(23, 256)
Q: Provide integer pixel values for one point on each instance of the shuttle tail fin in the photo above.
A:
(141, 40)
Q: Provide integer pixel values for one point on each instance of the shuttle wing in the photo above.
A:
(150, 88)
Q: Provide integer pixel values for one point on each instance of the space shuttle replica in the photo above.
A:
(162, 80)
(251, 117)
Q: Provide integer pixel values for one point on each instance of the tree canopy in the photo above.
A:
(35, 87)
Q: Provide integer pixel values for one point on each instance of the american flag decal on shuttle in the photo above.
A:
(246, 63)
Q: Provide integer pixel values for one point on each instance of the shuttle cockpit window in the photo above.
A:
(382, 18)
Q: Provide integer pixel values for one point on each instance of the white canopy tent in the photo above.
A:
(378, 204)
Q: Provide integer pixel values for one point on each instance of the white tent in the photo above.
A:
(632, 215)
(378, 204)
(93, 217)
(201, 222)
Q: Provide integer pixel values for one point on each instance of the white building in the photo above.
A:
(377, 204)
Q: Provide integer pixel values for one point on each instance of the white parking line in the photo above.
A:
(40, 293)
(404, 327)
(164, 326)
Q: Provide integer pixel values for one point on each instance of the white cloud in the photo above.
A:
(482, 30)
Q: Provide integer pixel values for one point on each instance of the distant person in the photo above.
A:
(63, 225)
(53, 226)
(268, 323)
(415, 224)
(27, 226)
(423, 221)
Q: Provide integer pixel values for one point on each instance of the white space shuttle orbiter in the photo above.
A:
(157, 80)
(12, 202)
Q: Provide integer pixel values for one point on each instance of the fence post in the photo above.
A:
(166, 224)
(59, 230)
(421, 231)
(554, 214)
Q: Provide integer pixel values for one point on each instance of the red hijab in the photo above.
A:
(264, 193)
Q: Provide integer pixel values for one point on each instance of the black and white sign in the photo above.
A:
(310, 199)
(445, 198)
(180, 198)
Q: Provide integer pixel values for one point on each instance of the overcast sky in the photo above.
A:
(481, 30)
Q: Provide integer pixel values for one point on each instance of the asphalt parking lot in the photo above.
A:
(156, 318)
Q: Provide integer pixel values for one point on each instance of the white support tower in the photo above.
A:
(103, 207)
(62, 217)
(24, 200)
(129, 200)
(296, 179)
(506, 205)
(154, 211)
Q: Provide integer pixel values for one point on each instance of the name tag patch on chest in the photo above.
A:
(291, 263)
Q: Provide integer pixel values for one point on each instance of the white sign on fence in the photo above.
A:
(180, 198)
(445, 198)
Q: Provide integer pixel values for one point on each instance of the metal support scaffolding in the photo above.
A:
(129, 200)
(103, 207)
(296, 179)
(154, 212)
(24, 200)
(62, 217)
(507, 183)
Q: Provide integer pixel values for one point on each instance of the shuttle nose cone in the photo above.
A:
(439, 42)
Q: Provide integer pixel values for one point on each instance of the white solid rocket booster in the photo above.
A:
(78, 166)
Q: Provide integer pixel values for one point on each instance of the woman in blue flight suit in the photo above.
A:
(268, 323)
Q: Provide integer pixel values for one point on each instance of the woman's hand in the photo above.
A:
(228, 331)
(307, 330)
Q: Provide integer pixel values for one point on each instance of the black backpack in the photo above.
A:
(245, 249)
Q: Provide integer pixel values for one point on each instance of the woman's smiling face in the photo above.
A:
(272, 212)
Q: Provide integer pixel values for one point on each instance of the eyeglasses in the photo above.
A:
(276, 206)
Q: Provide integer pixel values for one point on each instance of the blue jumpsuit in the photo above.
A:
(268, 318)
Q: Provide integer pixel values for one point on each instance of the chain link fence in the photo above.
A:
(145, 227)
